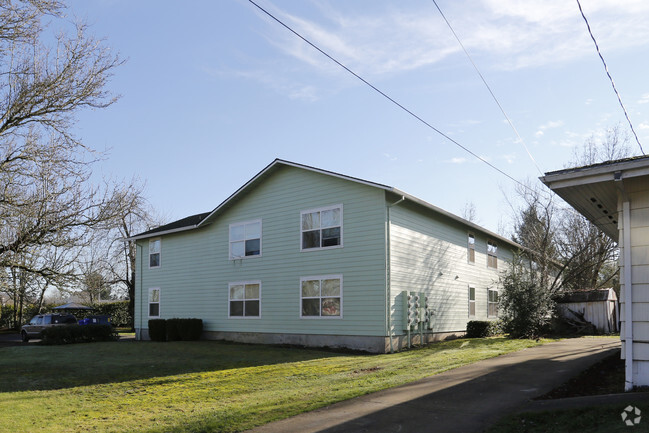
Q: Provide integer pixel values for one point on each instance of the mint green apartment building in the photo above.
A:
(300, 255)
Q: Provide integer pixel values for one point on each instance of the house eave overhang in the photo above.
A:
(593, 190)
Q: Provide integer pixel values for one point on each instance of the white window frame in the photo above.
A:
(149, 302)
(490, 302)
(472, 301)
(322, 278)
(243, 283)
(245, 238)
(159, 252)
(321, 209)
(470, 248)
(493, 254)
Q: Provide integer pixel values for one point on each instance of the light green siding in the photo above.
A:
(428, 253)
(195, 266)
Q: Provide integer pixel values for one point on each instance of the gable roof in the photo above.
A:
(200, 220)
(593, 189)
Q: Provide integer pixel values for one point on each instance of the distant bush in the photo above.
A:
(118, 312)
(157, 329)
(70, 334)
(483, 328)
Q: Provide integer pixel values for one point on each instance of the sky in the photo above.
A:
(214, 91)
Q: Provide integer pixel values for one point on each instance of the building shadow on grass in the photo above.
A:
(32, 366)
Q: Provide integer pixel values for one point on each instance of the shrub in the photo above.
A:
(173, 329)
(483, 328)
(190, 329)
(525, 303)
(157, 330)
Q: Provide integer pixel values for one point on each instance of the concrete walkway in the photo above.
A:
(465, 399)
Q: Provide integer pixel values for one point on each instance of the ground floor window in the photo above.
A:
(471, 301)
(321, 296)
(245, 299)
(492, 303)
(154, 302)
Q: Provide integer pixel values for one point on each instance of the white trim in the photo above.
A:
(243, 283)
(159, 240)
(321, 209)
(321, 278)
(148, 311)
(244, 223)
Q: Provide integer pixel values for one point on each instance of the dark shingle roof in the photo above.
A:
(189, 221)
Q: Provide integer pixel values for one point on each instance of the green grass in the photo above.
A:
(596, 419)
(203, 386)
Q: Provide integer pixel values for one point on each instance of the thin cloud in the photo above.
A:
(514, 34)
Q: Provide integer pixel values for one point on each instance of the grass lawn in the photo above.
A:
(203, 386)
(601, 419)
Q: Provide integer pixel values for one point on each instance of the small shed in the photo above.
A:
(598, 307)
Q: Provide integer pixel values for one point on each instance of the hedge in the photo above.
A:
(483, 328)
(69, 334)
(157, 330)
(175, 329)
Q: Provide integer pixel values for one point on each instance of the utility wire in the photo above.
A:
(502, 110)
(610, 78)
(386, 96)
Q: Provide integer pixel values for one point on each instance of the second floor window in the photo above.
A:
(322, 228)
(471, 248)
(154, 253)
(492, 255)
(245, 239)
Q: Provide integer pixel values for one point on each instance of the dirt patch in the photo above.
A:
(605, 377)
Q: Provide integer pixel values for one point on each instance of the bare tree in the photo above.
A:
(587, 252)
(48, 207)
(469, 212)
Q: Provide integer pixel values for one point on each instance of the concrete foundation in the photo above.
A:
(372, 344)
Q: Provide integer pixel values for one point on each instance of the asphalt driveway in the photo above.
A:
(465, 399)
(7, 340)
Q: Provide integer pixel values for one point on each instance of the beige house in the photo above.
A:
(614, 196)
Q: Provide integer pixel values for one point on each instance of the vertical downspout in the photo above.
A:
(628, 296)
(628, 283)
(388, 289)
(138, 256)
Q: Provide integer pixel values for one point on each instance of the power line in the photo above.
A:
(502, 110)
(386, 96)
(609, 77)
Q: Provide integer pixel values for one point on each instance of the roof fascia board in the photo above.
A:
(596, 174)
